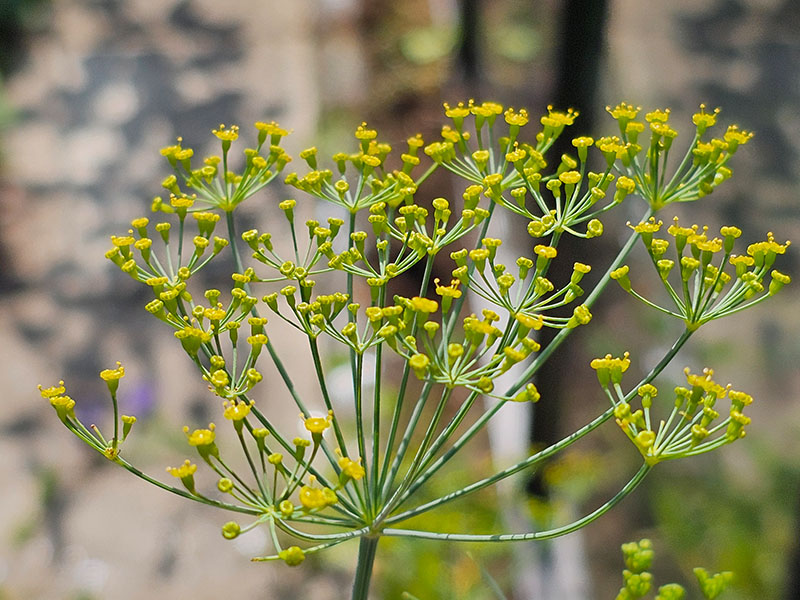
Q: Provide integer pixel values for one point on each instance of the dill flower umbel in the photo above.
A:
(427, 369)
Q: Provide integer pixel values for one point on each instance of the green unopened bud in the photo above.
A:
(292, 556)
(712, 585)
(286, 507)
(671, 591)
(231, 530)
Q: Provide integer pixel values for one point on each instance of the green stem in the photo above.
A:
(536, 535)
(590, 300)
(366, 558)
(422, 478)
(197, 498)
(401, 394)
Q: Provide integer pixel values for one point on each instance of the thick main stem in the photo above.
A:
(366, 558)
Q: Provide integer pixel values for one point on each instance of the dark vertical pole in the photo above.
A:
(581, 40)
(469, 45)
(580, 58)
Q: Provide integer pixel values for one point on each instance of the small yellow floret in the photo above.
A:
(52, 391)
(424, 305)
(570, 177)
(351, 468)
(316, 425)
(557, 119)
(186, 469)
(459, 111)
(201, 437)
(226, 135)
(236, 411)
(113, 374)
(624, 111)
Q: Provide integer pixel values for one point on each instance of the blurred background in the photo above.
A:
(92, 89)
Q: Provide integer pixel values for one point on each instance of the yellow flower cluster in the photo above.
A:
(707, 291)
(692, 427)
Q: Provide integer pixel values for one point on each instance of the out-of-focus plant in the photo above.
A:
(334, 484)
(638, 581)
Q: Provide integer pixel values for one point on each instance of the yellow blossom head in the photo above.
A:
(52, 391)
(516, 118)
(226, 135)
(704, 120)
(351, 469)
(64, 406)
(610, 369)
(424, 305)
(313, 497)
(203, 440)
(186, 469)
(317, 425)
(624, 112)
(112, 377)
(558, 120)
(236, 411)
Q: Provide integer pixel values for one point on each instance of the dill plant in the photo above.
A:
(330, 486)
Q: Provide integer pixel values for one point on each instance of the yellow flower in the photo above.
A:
(582, 142)
(181, 202)
(450, 291)
(64, 406)
(186, 469)
(705, 383)
(271, 128)
(170, 151)
(712, 245)
(570, 177)
(580, 316)
(419, 363)
(219, 378)
(314, 498)
(730, 231)
(581, 268)
(52, 391)
(109, 375)
(362, 133)
(191, 338)
(624, 111)
(424, 305)
(557, 119)
(226, 135)
(317, 425)
(201, 437)
(516, 118)
(735, 137)
(351, 468)
(650, 226)
(460, 111)
(214, 314)
(236, 411)
(486, 109)
(657, 116)
(543, 251)
(122, 241)
(112, 377)
(704, 120)
(535, 322)
(610, 369)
